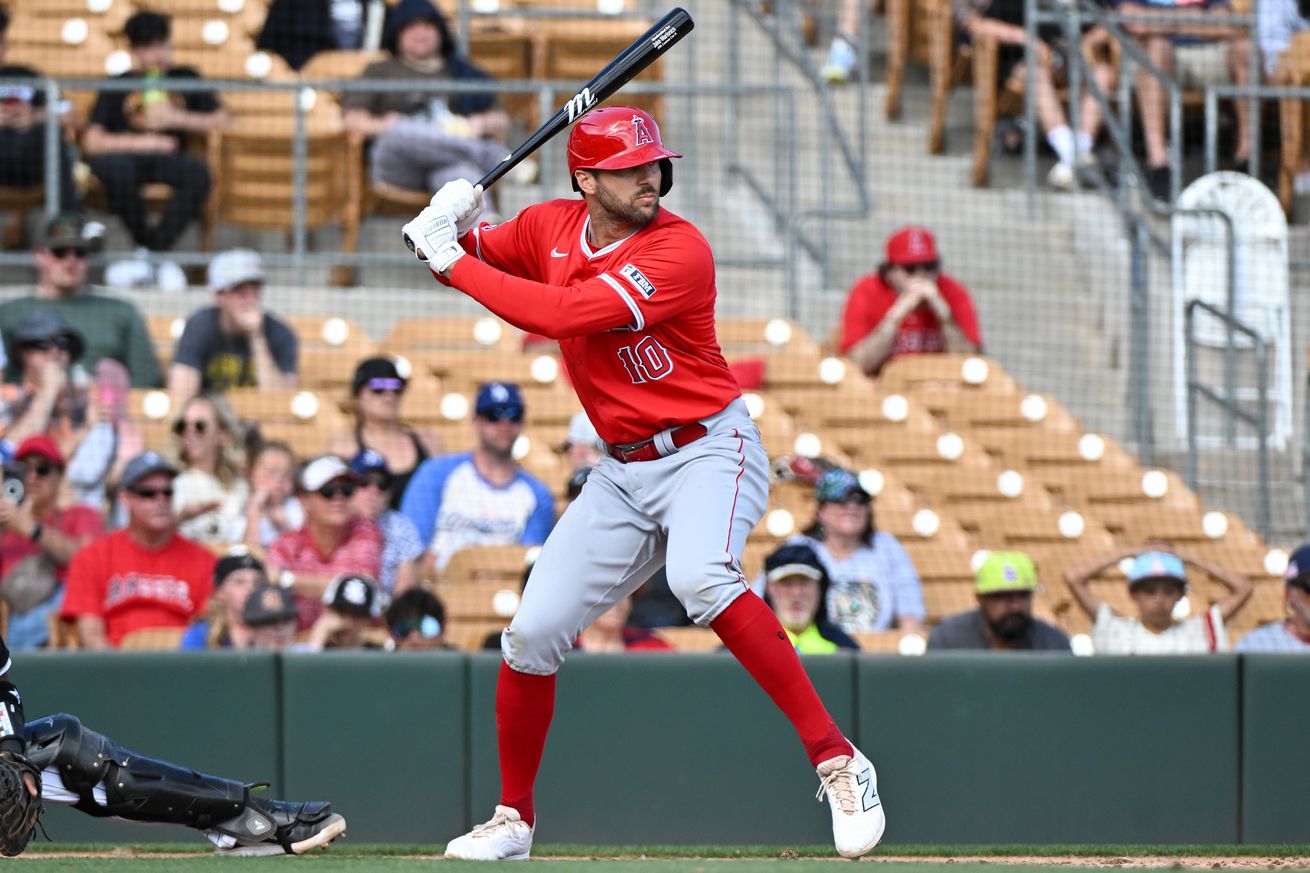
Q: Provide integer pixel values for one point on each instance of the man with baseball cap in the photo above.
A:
(908, 307)
(39, 541)
(235, 343)
(1157, 584)
(110, 328)
(1004, 618)
(350, 604)
(145, 575)
(796, 587)
(482, 497)
(1292, 634)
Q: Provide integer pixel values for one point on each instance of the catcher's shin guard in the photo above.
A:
(136, 788)
(11, 717)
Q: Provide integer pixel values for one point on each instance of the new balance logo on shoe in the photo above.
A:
(870, 797)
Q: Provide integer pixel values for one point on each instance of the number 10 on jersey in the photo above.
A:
(647, 361)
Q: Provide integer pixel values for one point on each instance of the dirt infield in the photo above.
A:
(1150, 861)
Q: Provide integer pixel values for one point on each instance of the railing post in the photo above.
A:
(1139, 370)
(1211, 131)
(1262, 433)
(300, 178)
(53, 144)
(1189, 369)
(1029, 106)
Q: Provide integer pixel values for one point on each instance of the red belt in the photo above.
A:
(648, 450)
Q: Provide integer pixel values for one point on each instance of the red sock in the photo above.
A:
(524, 706)
(752, 633)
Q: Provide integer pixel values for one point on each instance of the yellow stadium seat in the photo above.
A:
(690, 639)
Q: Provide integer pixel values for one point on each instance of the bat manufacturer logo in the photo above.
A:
(666, 37)
(579, 103)
(640, 135)
(637, 280)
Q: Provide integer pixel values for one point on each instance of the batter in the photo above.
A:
(628, 290)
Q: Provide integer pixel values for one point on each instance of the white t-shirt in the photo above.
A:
(1119, 635)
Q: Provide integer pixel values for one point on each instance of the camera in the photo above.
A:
(12, 487)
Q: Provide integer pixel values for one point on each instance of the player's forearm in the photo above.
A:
(870, 353)
(554, 311)
(955, 341)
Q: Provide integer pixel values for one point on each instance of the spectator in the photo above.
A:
(146, 575)
(417, 620)
(235, 343)
(582, 446)
(1004, 619)
(351, 603)
(142, 136)
(299, 29)
(401, 547)
(1157, 581)
(1195, 54)
(111, 328)
(1292, 634)
(1278, 21)
(610, 632)
(272, 508)
(423, 139)
(843, 61)
(574, 486)
(38, 543)
(270, 613)
(908, 307)
(210, 494)
(22, 130)
(377, 390)
(873, 584)
(796, 587)
(481, 497)
(235, 575)
(332, 543)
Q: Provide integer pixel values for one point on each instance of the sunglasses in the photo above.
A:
(503, 413)
(375, 481)
(918, 269)
(181, 426)
(64, 251)
(427, 626)
(386, 386)
(44, 345)
(337, 489)
(152, 493)
(41, 469)
(849, 499)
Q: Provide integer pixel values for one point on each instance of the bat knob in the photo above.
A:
(409, 242)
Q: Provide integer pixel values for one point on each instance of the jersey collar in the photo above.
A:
(586, 249)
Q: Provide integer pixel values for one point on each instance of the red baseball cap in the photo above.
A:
(40, 445)
(912, 245)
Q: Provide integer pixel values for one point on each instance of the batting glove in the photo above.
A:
(462, 199)
(430, 230)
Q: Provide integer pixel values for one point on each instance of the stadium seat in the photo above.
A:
(739, 337)
(886, 642)
(573, 53)
(339, 64)
(690, 639)
(468, 635)
(479, 601)
(450, 333)
(508, 57)
(945, 372)
(284, 406)
(497, 565)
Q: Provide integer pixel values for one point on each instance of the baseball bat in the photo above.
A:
(643, 52)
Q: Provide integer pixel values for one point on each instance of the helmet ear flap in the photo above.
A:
(666, 176)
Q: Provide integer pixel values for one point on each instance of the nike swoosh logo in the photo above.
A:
(556, 253)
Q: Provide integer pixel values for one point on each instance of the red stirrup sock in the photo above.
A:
(525, 705)
(752, 633)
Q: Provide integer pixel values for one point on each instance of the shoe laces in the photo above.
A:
(487, 827)
(841, 784)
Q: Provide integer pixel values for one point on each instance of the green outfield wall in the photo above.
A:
(686, 749)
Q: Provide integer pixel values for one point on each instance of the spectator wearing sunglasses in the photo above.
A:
(235, 343)
(377, 392)
(401, 547)
(417, 621)
(334, 540)
(210, 494)
(908, 307)
(110, 328)
(45, 399)
(146, 575)
(39, 541)
(482, 497)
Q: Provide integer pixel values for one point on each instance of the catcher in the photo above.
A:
(58, 760)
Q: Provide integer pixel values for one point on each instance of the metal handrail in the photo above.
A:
(1259, 420)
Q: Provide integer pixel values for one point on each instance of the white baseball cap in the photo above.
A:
(234, 267)
(323, 470)
(581, 431)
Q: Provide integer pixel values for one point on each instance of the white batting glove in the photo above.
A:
(463, 200)
(429, 230)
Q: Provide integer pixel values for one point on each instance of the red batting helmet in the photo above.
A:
(618, 137)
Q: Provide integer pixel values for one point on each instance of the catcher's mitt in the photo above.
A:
(19, 810)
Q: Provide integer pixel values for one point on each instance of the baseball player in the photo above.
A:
(628, 290)
(58, 760)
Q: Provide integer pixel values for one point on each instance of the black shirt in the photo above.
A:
(117, 111)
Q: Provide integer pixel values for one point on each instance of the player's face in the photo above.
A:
(795, 600)
(156, 56)
(42, 477)
(497, 436)
(63, 269)
(236, 587)
(844, 518)
(372, 498)
(1155, 600)
(630, 196)
(273, 636)
(239, 298)
(1007, 613)
(198, 434)
(379, 399)
(272, 474)
(150, 504)
(419, 40)
(330, 505)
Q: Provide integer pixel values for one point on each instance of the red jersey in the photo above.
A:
(77, 522)
(132, 587)
(871, 298)
(634, 320)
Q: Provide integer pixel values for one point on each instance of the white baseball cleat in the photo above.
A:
(505, 838)
(857, 817)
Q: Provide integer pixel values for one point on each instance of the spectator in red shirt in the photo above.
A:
(38, 542)
(146, 575)
(332, 542)
(908, 307)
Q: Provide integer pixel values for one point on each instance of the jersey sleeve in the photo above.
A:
(505, 246)
(422, 500)
(957, 297)
(665, 276)
(861, 315)
(542, 518)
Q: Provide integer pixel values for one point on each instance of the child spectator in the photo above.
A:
(417, 620)
(796, 587)
(146, 575)
(1003, 621)
(235, 575)
(1292, 634)
(272, 508)
(351, 603)
(1157, 581)
(235, 343)
(908, 307)
(270, 613)
(401, 547)
(210, 494)
(333, 541)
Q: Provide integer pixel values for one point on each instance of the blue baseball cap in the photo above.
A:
(369, 461)
(838, 486)
(499, 401)
(1156, 565)
(1298, 568)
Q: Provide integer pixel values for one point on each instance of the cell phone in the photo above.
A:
(12, 485)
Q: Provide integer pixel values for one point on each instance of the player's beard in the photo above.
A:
(628, 212)
(1011, 627)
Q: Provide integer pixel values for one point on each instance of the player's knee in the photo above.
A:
(533, 647)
